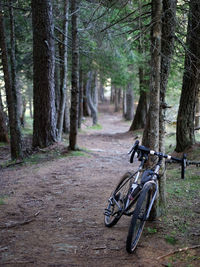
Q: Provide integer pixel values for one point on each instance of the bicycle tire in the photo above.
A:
(139, 218)
(113, 213)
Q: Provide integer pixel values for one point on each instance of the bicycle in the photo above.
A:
(136, 192)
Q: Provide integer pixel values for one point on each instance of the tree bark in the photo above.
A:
(80, 110)
(117, 96)
(139, 119)
(44, 125)
(197, 111)
(75, 79)
(167, 49)
(63, 86)
(151, 132)
(11, 94)
(86, 111)
(3, 126)
(186, 114)
(129, 102)
(91, 103)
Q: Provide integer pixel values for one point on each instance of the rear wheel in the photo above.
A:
(117, 200)
(139, 218)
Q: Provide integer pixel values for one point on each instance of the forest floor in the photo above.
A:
(51, 209)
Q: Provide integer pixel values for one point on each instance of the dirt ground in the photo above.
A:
(53, 211)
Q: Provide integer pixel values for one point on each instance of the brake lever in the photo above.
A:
(133, 150)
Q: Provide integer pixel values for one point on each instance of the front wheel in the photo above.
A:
(139, 218)
(117, 200)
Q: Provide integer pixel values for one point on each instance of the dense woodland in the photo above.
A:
(60, 59)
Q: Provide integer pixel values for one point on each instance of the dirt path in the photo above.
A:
(54, 210)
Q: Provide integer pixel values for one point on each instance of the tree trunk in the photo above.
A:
(151, 132)
(30, 107)
(66, 122)
(3, 127)
(23, 111)
(167, 49)
(91, 103)
(75, 79)
(124, 103)
(197, 111)
(57, 86)
(11, 94)
(86, 111)
(129, 102)
(139, 119)
(186, 114)
(117, 96)
(63, 85)
(112, 93)
(80, 110)
(101, 91)
(44, 125)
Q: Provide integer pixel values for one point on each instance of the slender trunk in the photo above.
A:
(151, 132)
(75, 79)
(57, 87)
(30, 107)
(66, 122)
(197, 111)
(3, 127)
(101, 91)
(112, 93)
(167, 48)
(23, 111)
(129, 102)
(91, 104)
(139, 119)
(11, 94)
(124, 104)
(86, 111)
(63, 85)
(117, 98)
(80, 111)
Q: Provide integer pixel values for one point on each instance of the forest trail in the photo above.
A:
(53, 211)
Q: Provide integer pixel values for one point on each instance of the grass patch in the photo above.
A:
(151, 230)
(77, 153)
(95, 127)
(2, 202)
(183, 199)
(170, 239)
